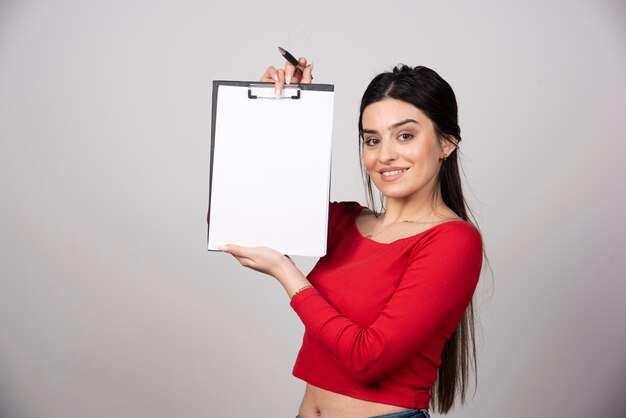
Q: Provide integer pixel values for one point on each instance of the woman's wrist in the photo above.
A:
(291, 278)
(300, 290)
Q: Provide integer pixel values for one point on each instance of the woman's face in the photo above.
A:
(401, 150)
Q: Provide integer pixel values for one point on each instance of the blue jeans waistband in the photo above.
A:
(409, 413)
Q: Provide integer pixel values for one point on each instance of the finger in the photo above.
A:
(235, 250)
(278, 85)
(270, 75)
(244, 255)
(290, 69)
(251, 254)
(297, 74)
(307, 75)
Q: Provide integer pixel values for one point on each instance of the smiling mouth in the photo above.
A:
(393, 172)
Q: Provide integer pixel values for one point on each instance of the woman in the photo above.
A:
(387, 312)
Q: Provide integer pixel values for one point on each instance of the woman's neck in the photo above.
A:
(416, 207)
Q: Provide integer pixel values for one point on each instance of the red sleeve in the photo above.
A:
(437, 286)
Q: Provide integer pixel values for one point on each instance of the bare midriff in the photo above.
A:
(320, 403)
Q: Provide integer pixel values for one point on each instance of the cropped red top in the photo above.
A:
(379, 314)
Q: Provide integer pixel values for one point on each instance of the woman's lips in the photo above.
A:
(393, 174)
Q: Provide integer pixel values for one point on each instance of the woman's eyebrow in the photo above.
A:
(397, 125)
(394, 126)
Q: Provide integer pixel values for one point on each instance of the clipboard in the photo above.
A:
(269, 175)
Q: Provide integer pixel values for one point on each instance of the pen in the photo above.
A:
(292, 60)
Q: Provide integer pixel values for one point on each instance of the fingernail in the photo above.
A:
(223, 248)
(302, 60)
(276, 92)
(288, 79)
(275, 77)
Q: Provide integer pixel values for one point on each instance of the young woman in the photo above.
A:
(387, 312)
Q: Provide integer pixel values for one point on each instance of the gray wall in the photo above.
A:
(110, 306)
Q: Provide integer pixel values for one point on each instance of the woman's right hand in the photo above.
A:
(288, 75)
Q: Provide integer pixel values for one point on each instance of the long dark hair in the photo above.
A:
(426, 90)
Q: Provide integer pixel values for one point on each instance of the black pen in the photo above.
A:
(292, 60)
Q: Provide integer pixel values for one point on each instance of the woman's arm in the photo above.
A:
(434, 292)
(437, 286)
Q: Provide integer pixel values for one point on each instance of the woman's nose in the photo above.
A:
(387, 151)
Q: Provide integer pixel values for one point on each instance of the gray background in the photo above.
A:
(110, 306)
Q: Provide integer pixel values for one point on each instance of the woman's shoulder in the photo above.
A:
(451, 237)
(458, 226)
(452, 248)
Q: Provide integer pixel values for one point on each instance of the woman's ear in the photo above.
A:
(448, 145)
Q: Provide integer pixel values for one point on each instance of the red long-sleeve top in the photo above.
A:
(379, 314)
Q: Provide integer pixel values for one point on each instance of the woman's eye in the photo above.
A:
(370, 142)
(405, 137)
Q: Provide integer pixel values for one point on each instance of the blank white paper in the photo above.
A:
(270, 178)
